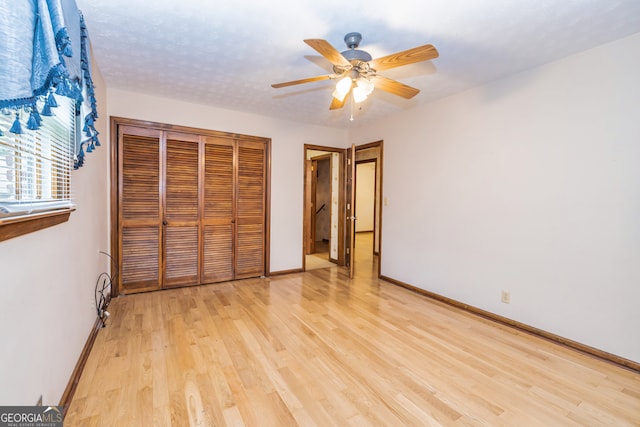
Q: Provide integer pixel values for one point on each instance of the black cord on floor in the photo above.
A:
(103, 292)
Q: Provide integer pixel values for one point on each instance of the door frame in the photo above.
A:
(314, 205)
(350, 192)
(307, 207)
(342, 213)
(379, 193)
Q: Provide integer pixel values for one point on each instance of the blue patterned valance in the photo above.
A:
(44, 52)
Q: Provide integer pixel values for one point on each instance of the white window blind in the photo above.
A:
(35, 166)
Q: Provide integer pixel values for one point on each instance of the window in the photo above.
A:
(35, 165)
(48, 51)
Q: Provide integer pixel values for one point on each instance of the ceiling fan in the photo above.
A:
(358, 72)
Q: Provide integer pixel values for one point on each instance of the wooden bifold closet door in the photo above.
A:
(219, 210)
(181, 210)
(250, 208)
(192, 207)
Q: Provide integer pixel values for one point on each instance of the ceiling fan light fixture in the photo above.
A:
(355, 68)
(342, 88)
(362, 90)
(359, 95)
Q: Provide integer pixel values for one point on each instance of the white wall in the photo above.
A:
(47, 282)
(287, 157)
(530, 184)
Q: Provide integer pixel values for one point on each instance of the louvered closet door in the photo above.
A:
(192, 206)
(140, 222)
(181, 214)
(250, 209)
(218, 214)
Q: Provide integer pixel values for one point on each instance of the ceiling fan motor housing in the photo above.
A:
(353, 41)
(357, 55)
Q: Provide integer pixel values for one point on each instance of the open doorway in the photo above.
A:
(323, 246)
(368, 206)
(319, 255)
(365, 204)
(321, 250)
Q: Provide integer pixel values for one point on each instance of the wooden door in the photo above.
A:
(314, 206)
(181, 213)
(218, 211)
(250, 209)
(351, 200)
(309, 193)
(140, 212)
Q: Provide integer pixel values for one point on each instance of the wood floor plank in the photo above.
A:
(317, 348)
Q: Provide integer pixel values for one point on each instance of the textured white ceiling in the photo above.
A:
(227, 52)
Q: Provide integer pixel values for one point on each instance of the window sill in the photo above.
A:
(18, 226)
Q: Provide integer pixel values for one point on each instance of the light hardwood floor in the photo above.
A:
(316, 348)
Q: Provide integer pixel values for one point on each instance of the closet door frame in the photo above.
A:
(115, 124)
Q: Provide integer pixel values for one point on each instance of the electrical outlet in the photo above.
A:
(506, 297)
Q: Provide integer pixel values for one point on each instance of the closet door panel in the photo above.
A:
(250, 243)
(250, 209)
(140, 209)
(181, 222)
(218, 179)
(218, 212)
(181, 256)
(218, 250)
(140, 179)
(140, 258)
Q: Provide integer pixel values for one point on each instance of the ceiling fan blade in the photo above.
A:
(325, 49)
(336, 103)
(417, 54)
(309, 80)
(395, 87)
